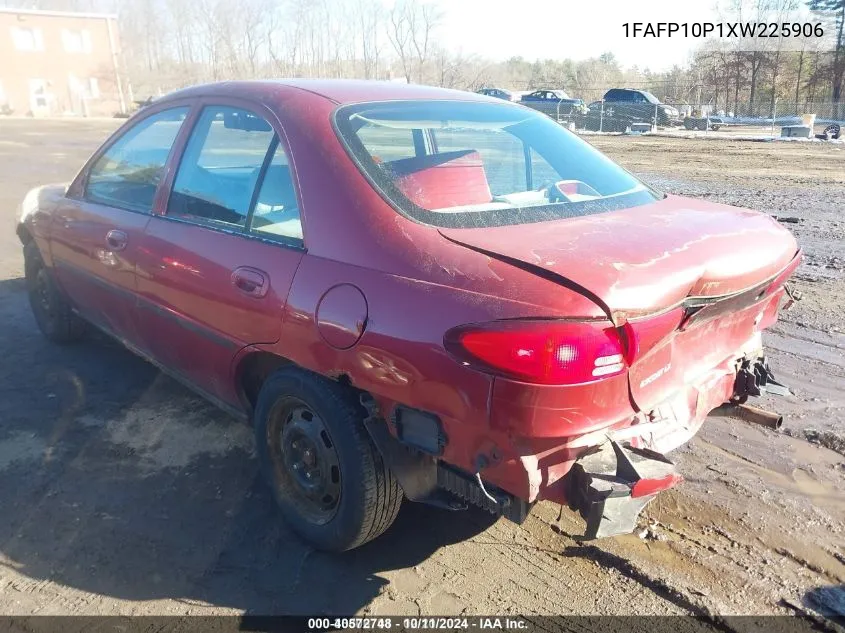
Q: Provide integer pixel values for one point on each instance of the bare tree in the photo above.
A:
(400, 34)
(370, 16)
(423, 20)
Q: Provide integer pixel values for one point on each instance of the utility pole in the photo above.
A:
(115, 66)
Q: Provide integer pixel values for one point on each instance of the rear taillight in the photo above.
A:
(643, 334)
(547, 352)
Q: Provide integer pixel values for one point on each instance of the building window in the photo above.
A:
(76, 41)
(27, 39)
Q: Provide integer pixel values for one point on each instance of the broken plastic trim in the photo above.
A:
(611, 487)
(754, 377)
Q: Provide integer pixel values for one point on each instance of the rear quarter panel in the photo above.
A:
(417, 285)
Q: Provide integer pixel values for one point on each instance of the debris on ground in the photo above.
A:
(829, 439)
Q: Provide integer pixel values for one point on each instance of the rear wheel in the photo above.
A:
(329, 480)
(51, 310)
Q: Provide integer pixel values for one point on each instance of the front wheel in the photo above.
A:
(329, 479)
(51, 310)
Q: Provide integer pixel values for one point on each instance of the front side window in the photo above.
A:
(127, 174)
(220, 167)
(483, 164)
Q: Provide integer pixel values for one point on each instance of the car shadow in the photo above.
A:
(116, 481)
(828, 600)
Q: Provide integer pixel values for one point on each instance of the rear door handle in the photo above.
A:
(251, 281)
(116, 240)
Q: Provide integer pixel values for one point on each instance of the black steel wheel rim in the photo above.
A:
(306, 463)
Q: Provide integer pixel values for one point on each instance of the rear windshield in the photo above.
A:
(470, 164)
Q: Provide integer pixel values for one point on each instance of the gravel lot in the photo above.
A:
(123, 493)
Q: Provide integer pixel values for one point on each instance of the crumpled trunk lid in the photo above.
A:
(651, 268)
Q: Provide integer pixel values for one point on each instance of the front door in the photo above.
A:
(216, 266)
(97, 230)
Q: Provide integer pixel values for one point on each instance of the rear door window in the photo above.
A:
(128, 173)
(220, 167)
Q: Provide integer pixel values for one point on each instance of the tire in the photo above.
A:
(353, 497)
(52, 311)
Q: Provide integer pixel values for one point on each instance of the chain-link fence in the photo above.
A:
(758, 118)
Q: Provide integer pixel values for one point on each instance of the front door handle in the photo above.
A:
(116, 240)
(251, 281)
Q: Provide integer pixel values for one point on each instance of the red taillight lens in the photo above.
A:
(646, 487)
(542, 351)
(643, 334)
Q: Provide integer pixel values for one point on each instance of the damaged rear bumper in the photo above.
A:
(611, 486)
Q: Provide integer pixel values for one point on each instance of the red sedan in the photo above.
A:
(411, 293)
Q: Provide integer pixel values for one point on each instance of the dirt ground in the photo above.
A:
(122, 493)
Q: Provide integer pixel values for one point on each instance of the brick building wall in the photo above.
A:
(56, 63)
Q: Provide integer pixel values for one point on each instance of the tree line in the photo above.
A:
(167, 44)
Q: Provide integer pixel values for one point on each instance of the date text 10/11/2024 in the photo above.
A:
(387, 623)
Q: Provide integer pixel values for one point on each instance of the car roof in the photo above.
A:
(340, 91)
(645, 93)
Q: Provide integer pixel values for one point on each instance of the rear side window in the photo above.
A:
(276, 212)
(221, 166)
(477, 164)
(128, 173)
(618, 95)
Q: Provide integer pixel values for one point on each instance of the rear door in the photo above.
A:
(98, 227)
(219, 259)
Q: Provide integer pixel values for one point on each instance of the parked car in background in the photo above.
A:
(139, 104)
(623, 106)
(501, 315)
(499, 93)
(703, 123)
(554, 103)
